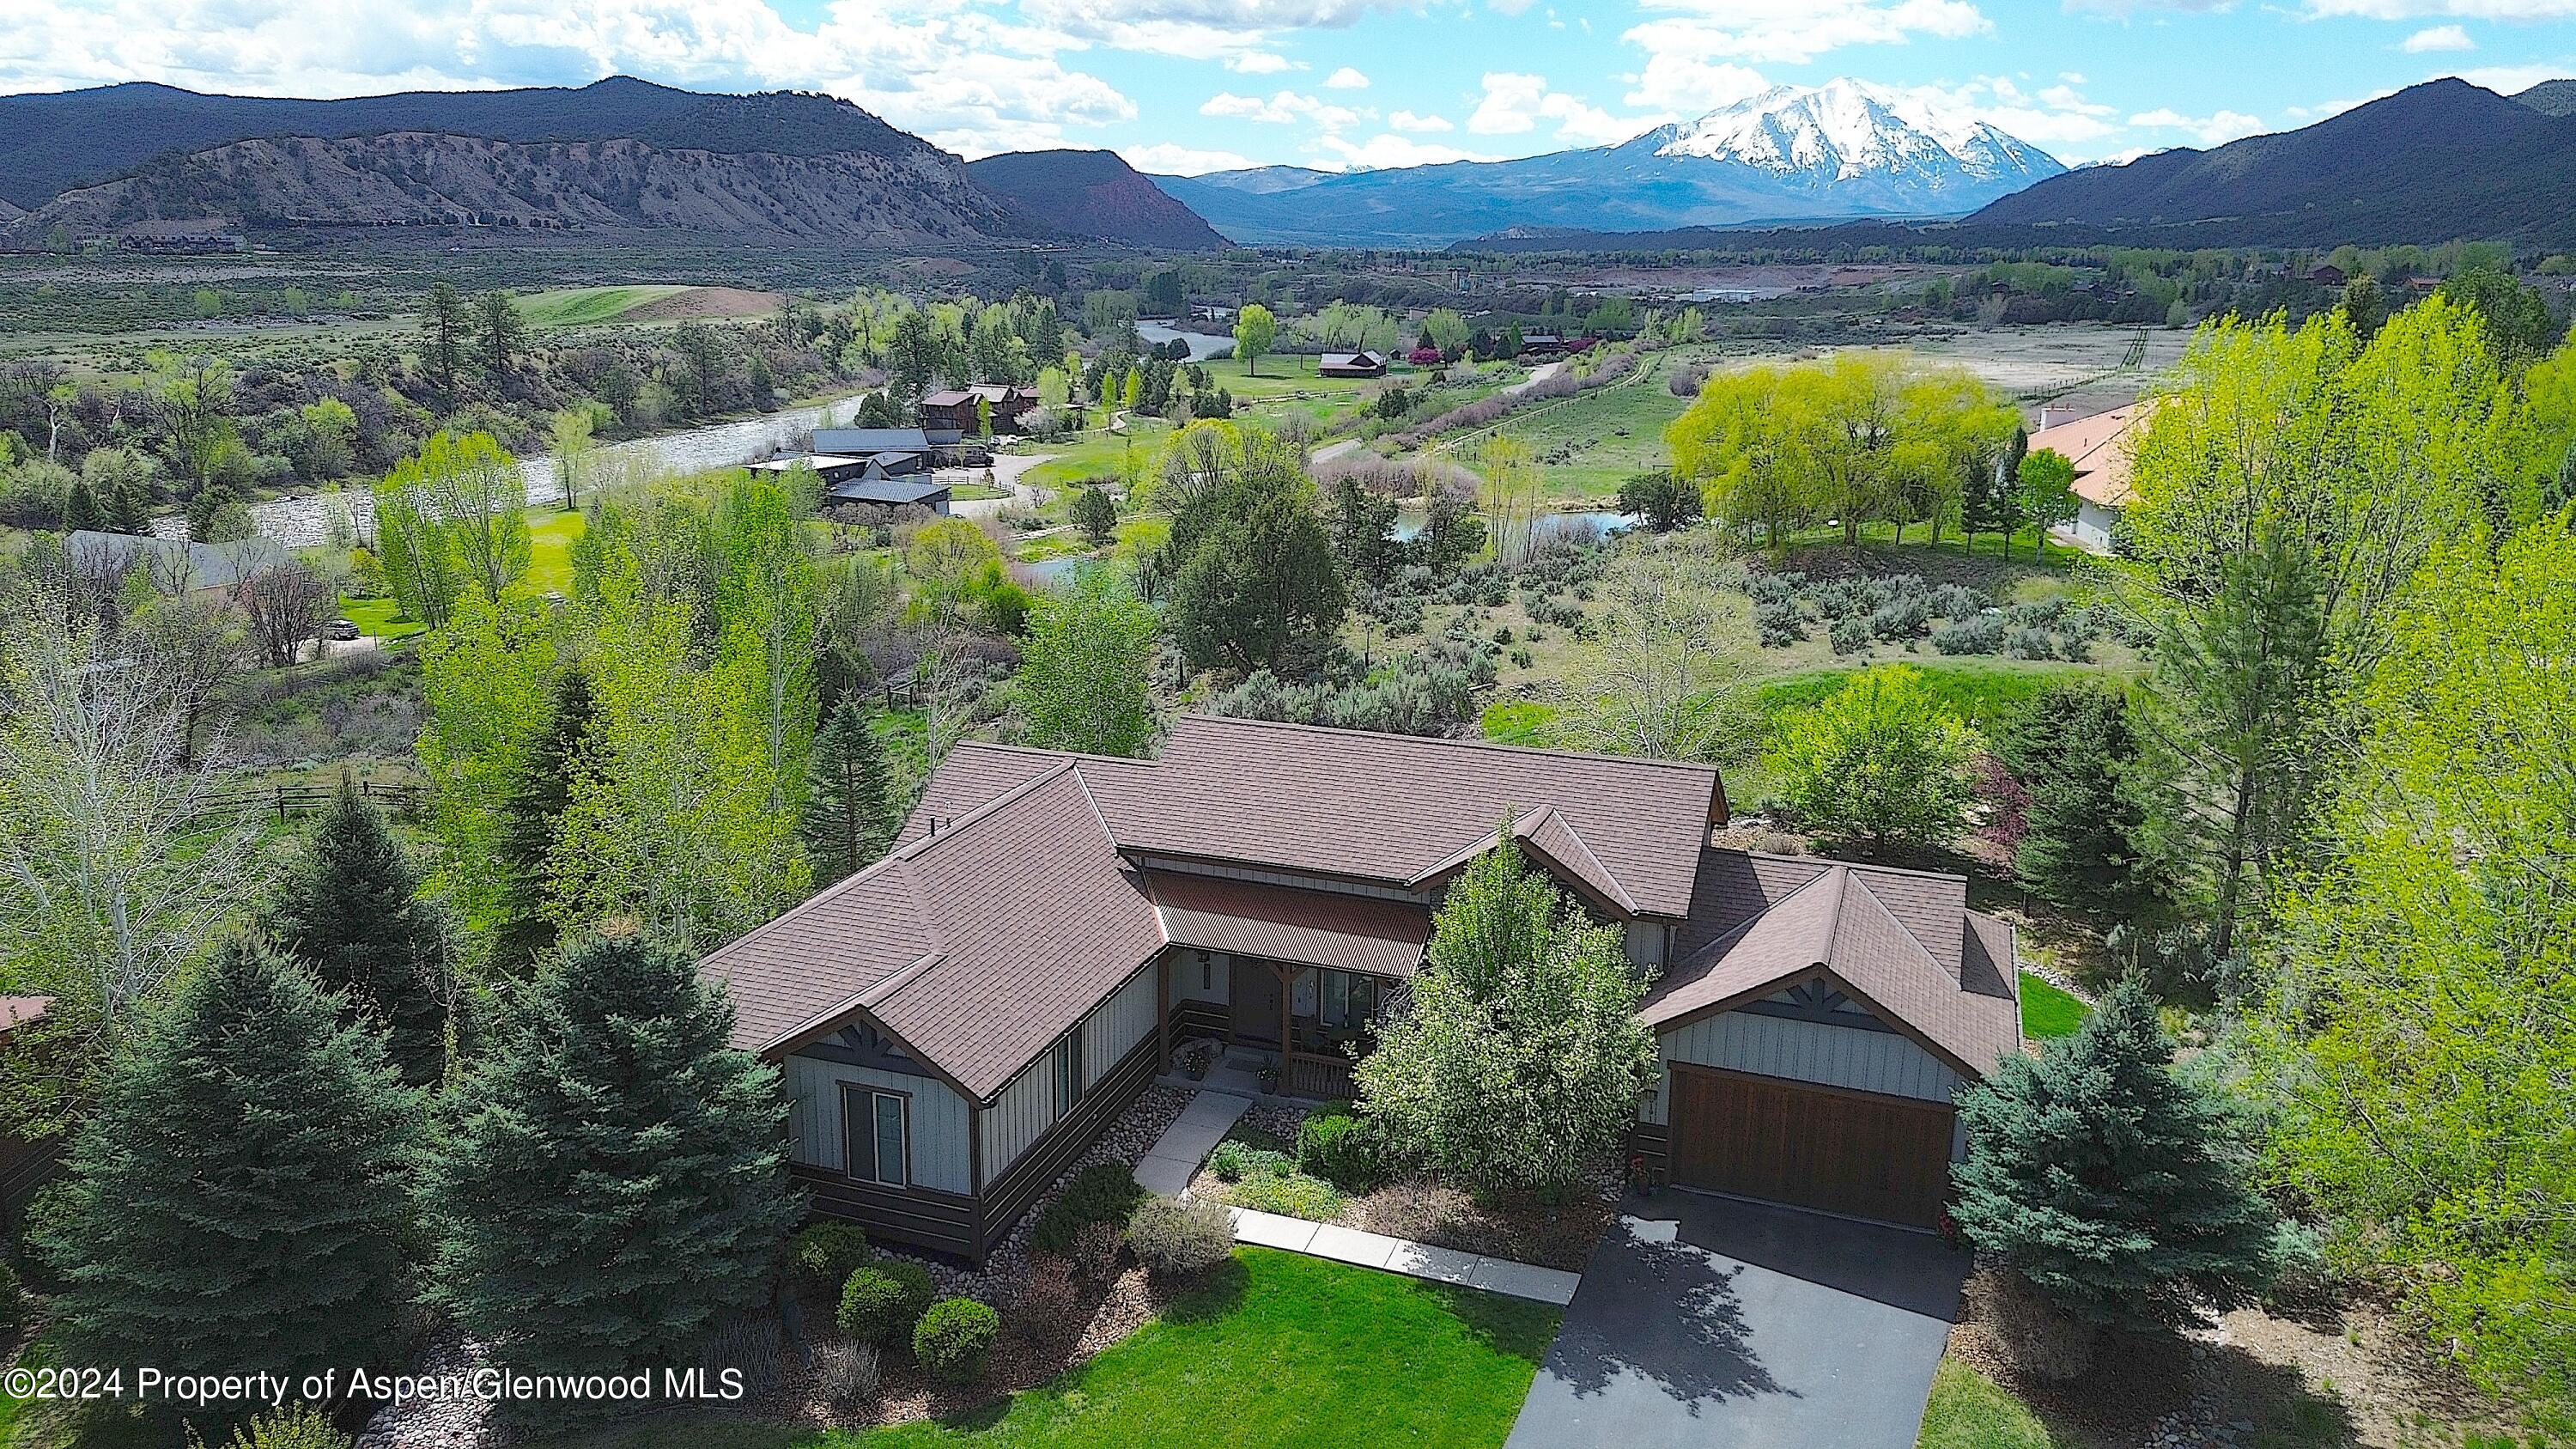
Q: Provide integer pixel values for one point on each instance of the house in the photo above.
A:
(961, 409)
(2099, 447)
(1350, 364)
(177, 565)
(959, 1022)
(830, 467)
(876, 488)
(2327, 274)
(1541, 342)
(895, 451)
(24, 1166)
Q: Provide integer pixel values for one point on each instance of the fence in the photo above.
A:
(286, 801)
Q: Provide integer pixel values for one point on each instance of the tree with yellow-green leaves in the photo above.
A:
(2422, 1029)
(1254, 330)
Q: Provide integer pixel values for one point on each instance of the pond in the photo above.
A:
(1580, 527)
(1202, 345)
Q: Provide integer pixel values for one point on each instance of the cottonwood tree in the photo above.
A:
(1882, 761)
(196, 646)
(285, 604)
(487, 683)
(119, 865)
(1254, 330)
(2112, 1183)
(1509, 489)
(472, 494)
(238, 1202)
(2044, 485)
(1667, 676)
(765, 593)
(612, 1181)
(1516, 1056)
(1086, 668)
(412, 550)
(572, 432)
(2420, 1030)
(192, 396)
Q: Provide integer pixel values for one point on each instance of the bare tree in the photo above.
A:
(1668, 675)
(193, 644)
(117, 866)
(286, 604)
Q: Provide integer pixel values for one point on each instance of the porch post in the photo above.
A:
(1287, 1018)
(1163, 1013)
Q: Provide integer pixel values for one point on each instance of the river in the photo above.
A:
(1202, 345)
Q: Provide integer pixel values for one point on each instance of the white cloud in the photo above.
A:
(1408, 121)
(2439, 37)
(2462, 9)
(1793, 32)
(1287, 108)
(1692, 86)
(1258, 62)
(1347, 79)
(895, 57)
(2506, 80)
(1515, 103)
(1387, 151)
(2215, 129)
(1166, 159)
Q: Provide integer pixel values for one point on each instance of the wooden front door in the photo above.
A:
(1823, 1147)
(1255, 995)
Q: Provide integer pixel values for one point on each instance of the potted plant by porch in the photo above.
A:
(1195, 1058)
(1269, 1077)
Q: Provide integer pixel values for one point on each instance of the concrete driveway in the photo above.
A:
(1718, 1324)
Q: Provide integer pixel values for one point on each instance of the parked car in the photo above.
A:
(340, 631)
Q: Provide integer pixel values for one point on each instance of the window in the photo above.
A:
(876, 1128)
(1350, 1000)
(1068, 1071)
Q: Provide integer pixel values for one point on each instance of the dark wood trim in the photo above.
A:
(797, 1043)
(1191, 1017)
(1651, 1144)
(1009, 1196)
(919, 1217)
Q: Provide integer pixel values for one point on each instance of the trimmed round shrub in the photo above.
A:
(1176, 1239)
(954, 1337)
(1290, 1194)
(827, 1254)
(1341, 1149)
(1227, 1161)
(882, 1302)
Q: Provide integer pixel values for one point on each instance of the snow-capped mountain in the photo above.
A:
(1841, 149)
(1848, 130)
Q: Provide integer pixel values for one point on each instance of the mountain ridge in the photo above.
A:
(1096, 193)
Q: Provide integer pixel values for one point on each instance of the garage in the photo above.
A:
(1844, 1151)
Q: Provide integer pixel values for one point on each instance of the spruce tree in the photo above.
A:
(352, 913)
(2114, 1186)
(611, 1180)
(237, 1203)
(848, 821)
(2069, 751)
(80, 507)
(539, 790)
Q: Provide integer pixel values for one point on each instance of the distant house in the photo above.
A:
(961, 409)
(24, 1166)
(2098, 445)
(190, 567)
(2327, 275)
(1541, 342)
(830, 467)
(888, 492)
(1350, 364)
(893, 451)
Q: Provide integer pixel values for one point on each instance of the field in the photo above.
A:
(643, 302)
(1589, 444)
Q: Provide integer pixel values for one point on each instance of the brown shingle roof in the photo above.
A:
(1284, 923)
(18, 1011)
(976, 946)
(1902, 941)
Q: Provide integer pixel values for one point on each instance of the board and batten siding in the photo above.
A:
(937, 1121)
(1804, 1051)
(1026, 1106)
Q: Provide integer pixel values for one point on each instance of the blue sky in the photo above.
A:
(1192, 85)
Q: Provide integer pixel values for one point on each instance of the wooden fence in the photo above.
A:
(286, 801)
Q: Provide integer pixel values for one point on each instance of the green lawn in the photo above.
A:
(1984, 693)
(2048, 1011)
(1587, 446)
(1970, 1411)
(375, 617)
(1280, 1351)
(574, 306)
(550, 536)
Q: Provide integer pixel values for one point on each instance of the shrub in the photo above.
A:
(1176, 1239)
(1104, 1192)
(1235, 1161)
(848, 1373)
(2028, 644)
(1290, 1193)
(1341, 1149)
(1779, 623)
(1976, 634)
(1849, 635)
(13, 1306)
(828, 1253)
(1050, 1308)
(300, 1427)
(882, 1302)
(1227, 1161)
(1095, 1250)
(747, 1344)
(954, 1337)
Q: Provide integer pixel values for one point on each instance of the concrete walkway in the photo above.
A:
(1175, 1156)
(1400, 1255)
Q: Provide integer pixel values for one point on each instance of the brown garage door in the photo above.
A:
(1847, 1152)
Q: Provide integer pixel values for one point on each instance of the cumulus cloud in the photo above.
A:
(1516, 103)
(2439, 37)
(2460, 9)
(1408, 121)
(1347, 79)
(1166, 159)
(1691, 86)
(2215, 129)
(1793, 32)
(1387, 151)
(1287, 108)
(1258, 62)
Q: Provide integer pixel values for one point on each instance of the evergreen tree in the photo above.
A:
(540, 788)
(2111, 1184)
(848, 819)
(236, 1204)
(80, 507)
(2068, 750)
(351, 912)
(611, 1183)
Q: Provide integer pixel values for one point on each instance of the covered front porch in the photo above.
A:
(1287, 981)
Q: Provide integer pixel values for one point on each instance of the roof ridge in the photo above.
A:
(1826, 861)
(1834, 913)
(1740, 929)
(1901, 928)
(1626, 898)
(1490, 746)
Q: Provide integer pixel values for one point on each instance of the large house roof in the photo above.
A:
(1902, 942)
(2098, 447)
(18, 1011)
(976, 946)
